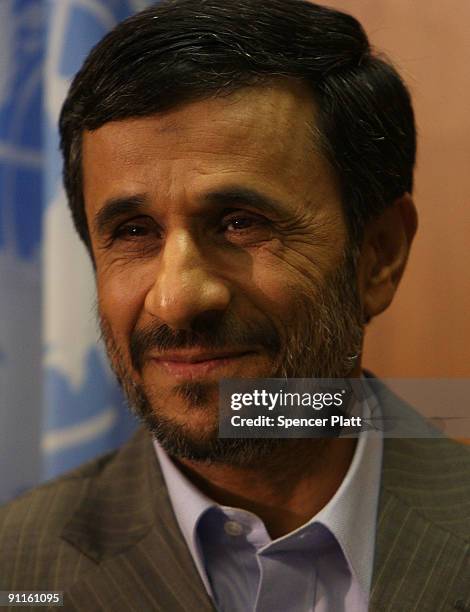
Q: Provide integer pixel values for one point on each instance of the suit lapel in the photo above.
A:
(127, 526)
(155, 574)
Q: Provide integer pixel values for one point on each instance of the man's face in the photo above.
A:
(221, 251)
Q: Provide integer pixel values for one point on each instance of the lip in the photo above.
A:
(191, 364)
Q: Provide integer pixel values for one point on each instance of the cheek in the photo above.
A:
(120, 299)
(282, 272)
(272, 290)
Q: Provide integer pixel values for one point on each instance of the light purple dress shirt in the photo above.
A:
(324, 565)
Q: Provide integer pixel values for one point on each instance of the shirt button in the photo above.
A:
(233, 528)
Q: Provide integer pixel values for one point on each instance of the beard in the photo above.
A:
(322, 339)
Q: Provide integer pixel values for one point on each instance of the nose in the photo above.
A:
(186, 284)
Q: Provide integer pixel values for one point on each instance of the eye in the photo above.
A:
(246, 229)
(239, 223)
(136, 229)
(130, 230)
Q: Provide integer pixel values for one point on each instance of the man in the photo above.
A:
(241, 175)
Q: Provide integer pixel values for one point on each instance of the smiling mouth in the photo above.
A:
(191, 364)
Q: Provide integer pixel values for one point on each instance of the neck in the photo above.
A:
(290, 487)
(287, 490)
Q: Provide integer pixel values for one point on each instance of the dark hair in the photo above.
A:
(183, 50)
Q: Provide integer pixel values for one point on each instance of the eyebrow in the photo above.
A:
(227, 197)
(115, 208)
(233, 196)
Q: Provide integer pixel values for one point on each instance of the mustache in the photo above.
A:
(211, 333)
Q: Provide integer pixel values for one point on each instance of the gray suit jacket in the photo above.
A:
(105, 534)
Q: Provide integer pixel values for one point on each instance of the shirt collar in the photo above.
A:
(350, 515)
(189, 505)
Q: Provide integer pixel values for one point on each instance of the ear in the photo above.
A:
(384, 253)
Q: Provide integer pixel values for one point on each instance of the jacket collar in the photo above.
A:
(119, 506)
(125, 524)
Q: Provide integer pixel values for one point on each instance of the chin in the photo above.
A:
(188, 443)
(186, 424)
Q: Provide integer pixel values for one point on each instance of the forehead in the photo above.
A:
(260, 133)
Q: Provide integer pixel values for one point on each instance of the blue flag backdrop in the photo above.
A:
(59, 403)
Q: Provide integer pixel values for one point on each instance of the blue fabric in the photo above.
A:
(59, 404)
(22, 52)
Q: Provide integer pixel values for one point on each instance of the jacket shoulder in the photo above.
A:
(422, 468)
